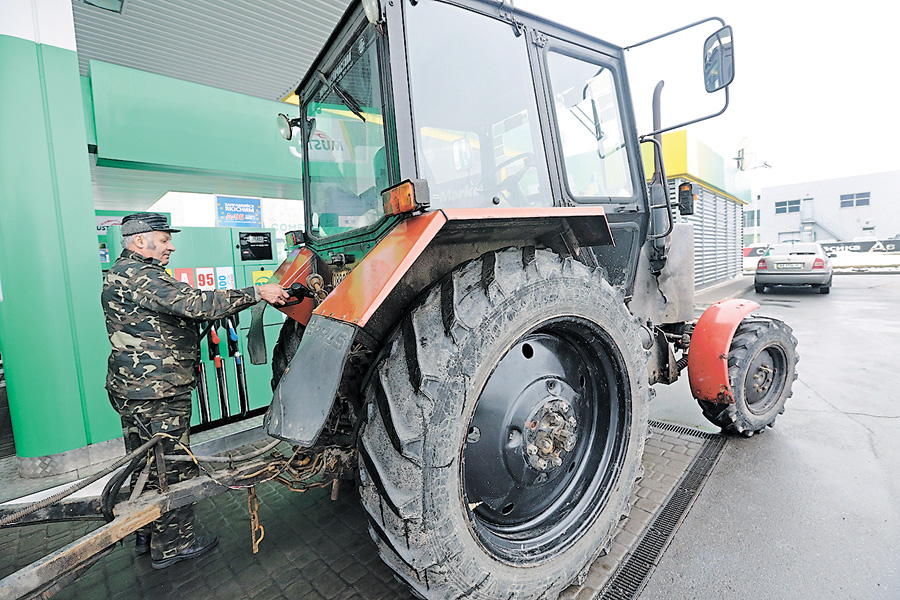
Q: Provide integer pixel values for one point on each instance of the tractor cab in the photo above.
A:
(493, 109)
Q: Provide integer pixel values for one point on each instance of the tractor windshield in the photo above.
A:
(347, 165)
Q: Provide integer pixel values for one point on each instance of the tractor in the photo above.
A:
(487, 288)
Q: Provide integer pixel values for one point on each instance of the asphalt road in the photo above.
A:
(811, 508)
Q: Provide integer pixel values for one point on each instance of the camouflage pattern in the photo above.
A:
(174, 530)
(152, 319)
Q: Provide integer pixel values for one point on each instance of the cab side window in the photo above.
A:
(589, 122)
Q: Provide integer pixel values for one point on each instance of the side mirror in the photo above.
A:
(286, 125)
(718, 60)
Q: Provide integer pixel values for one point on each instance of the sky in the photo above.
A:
(815, 94)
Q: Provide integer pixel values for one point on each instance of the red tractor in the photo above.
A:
(487, 289)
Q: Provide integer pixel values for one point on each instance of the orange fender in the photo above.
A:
(371, 282)
(297, 267)
(710, 343)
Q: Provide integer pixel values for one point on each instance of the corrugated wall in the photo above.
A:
(718, 235)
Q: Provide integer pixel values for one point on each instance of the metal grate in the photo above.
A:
(631, 576)
(704, 435)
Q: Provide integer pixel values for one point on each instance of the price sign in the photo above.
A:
(225, 278)
(206, 278)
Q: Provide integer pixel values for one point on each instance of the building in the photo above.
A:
(846, 209)
(722, 194)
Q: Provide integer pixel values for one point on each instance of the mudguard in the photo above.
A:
(710, 344)
(313, 375)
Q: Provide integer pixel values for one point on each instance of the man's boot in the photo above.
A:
(202, 544)
(142, 540)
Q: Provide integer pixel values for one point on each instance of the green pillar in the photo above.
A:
(52, 333)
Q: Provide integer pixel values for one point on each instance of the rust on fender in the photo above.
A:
(710, 343)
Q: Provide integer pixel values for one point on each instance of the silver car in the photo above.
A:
(794, 264)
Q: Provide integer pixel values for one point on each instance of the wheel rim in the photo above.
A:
(545, 439)
(765, 379)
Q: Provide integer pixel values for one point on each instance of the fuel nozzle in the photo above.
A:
(299, 291)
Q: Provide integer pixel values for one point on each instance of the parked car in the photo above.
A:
(795, 265)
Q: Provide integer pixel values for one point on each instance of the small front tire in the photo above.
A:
(762, 367)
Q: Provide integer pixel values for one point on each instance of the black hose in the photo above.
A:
(13, 517)
(110, 494)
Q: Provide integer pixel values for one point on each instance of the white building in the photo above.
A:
(864, 207)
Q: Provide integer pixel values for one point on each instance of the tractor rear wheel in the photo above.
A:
(762, 367)
(505, 426)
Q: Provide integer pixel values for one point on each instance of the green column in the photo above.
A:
(52, 333)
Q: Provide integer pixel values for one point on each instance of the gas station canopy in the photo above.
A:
(259, 49)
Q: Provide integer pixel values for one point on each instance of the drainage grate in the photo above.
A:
(703, 435)
(631, 576)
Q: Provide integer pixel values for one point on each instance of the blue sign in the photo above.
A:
(238, 212)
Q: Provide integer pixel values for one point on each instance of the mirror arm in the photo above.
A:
(686, 123)
(674, 31)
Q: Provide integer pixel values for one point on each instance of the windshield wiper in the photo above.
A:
(348, 100)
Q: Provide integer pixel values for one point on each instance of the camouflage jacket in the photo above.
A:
(152, 321)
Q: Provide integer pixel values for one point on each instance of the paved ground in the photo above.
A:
(810, 509)
(314, 548)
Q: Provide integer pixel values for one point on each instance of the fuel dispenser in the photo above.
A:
(211, 258)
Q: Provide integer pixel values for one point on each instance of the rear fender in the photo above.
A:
(376, 294)
(710, 344)
(297, 267)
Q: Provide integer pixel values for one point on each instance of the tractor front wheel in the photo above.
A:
(762, 367)
(506, 423)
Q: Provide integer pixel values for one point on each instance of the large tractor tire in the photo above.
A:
(285, 348)
(762, 367)
(506, 421)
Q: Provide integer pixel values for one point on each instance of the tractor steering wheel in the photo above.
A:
(509, 183)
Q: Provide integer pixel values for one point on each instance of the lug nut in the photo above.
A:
(545, 445)
(564, 406)
(531, 449)
(541, 464)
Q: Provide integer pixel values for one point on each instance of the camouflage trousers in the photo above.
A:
(173, 531)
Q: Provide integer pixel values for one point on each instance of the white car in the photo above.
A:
(805, 264)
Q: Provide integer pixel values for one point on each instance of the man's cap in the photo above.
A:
(145, 222)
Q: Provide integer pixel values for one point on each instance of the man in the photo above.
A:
(152, 321)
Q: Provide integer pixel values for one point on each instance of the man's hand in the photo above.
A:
(273, 293)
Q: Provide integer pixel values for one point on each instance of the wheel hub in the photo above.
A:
(762, 378)
(551, 432)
